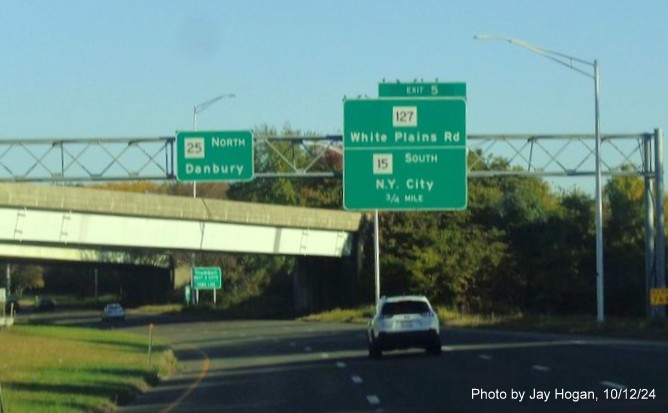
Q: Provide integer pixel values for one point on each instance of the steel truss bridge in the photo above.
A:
(530, 155)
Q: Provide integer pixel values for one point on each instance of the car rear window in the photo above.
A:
(404, 307)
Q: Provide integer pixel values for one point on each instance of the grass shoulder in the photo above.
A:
(47, 368)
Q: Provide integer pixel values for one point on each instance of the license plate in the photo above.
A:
(405, 324)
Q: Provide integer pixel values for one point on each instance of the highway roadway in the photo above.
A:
(295, 367)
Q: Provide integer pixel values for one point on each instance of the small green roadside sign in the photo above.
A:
(214, 156)
(405, 154)
(207, 278)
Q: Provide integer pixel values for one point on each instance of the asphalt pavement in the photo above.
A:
(295, 367)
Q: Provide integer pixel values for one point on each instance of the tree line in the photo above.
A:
(519, 246)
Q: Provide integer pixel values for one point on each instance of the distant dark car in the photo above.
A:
(12, 300)
(44, 304)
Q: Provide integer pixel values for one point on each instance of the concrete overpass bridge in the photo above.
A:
(78, 224)
(81, 224)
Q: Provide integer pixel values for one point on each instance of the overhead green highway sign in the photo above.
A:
(214, 156)
(422, 89)
(404, 154)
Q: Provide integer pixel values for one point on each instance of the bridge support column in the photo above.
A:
(322, 283)
(301, 289)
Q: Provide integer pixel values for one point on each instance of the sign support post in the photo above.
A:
(405, 151)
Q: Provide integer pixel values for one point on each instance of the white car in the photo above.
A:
(404, 322)
(113, 312)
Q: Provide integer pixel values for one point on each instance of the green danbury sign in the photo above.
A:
(214, 156)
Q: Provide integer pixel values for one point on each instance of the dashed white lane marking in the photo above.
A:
(373, 399)
(485, 357)
(538, 367)
(612, 384)
(308, 348)
(357, 379)
(341, 365)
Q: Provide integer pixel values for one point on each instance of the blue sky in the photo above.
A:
(75, 68)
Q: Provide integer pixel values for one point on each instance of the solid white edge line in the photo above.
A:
(612, 384)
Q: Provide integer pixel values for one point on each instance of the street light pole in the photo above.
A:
(570, 62)
(200, 108)
(197, 109)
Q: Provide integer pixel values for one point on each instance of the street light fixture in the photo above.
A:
(204, 105)
(200, 108)
(571, 62)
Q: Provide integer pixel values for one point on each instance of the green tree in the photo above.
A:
(624, 247)
(26, 276)
(279, 191)
(440, 254)
(282, 156)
